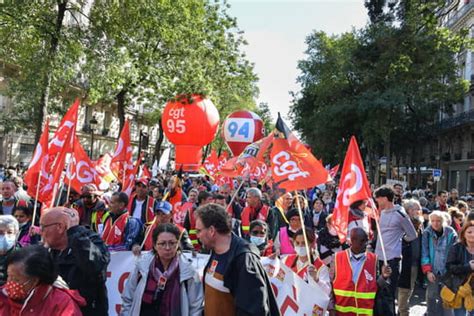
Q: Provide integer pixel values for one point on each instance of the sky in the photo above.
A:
(276, 32)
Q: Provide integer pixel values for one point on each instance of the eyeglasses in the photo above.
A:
(42, 227)
(167, 244)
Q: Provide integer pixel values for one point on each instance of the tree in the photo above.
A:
(147, 53)
(40, 41)
(383, 83)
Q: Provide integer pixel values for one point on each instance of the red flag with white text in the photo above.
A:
(293, 166)
(60, 145)
(38, 165)
(68, 123)
(81, 170)
(353, 186)
(131, 175)
(122, 157)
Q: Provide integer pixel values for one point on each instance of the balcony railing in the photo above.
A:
(458, 120)
(459, 14)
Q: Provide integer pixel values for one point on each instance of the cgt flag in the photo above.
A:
(293, 166)
(122, 162)
(81, 170)
(353, 187)
(38, 167)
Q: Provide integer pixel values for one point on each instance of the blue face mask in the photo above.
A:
(7, 242)
(257, 241)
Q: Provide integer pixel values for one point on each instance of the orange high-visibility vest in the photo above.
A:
(359, 298)
(245, 217)
(114, 232)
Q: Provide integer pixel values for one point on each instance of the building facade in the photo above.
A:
(17, 147)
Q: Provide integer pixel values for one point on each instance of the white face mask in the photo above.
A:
(300, 251)
(257, 241)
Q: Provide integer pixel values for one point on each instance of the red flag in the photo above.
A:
(248, 160)
(102, 166)
(210, 165)
(60, 145)
(81, 169)
(131, 175)
(145, 172)
(58, 142)
(292, 164)
(122, 157)
(333, 171)
(38, 164)
(353, 187)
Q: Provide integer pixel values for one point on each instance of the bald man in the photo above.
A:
(80, 255)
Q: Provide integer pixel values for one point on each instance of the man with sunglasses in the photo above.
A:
(91, 207)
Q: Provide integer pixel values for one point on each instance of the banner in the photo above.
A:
(294, 296)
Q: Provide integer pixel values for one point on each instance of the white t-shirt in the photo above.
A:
(137, 212)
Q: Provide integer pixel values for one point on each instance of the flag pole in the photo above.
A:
(68, 190)
(36, 197)
(235, 195)
(300, 213)
(147, 232)
(379, 232)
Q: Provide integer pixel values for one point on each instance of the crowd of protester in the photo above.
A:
(55, 263)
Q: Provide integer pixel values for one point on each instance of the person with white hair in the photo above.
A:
(437, 240)
(256, 209)
(9, 230)
(411, 254)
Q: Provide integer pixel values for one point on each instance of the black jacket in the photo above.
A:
(457, 266)
(405, 275)
(247, 281)
(83, 265)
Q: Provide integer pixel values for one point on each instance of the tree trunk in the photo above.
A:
(53, 51)
(159, 141)
(121, 108)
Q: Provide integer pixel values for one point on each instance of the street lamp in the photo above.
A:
(92, 125)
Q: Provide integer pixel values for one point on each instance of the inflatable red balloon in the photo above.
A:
(241, 128)
(190, 122)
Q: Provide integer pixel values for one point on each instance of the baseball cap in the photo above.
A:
(163, 206)
(143, 181)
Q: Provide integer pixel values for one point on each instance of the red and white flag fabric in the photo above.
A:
(131, 175)
(59, 147)
(353, 186)
(210, 165)
(293, 166)
(102, 166)
(145, 172)
(333, 171)
(38, 167)
(122, 158)
(68, 123)
(81, 170)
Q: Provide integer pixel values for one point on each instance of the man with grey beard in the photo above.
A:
(411, 253)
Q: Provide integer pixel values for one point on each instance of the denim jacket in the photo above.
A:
(434, 250)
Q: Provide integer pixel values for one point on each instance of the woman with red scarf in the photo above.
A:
(32, 287)
(163, 283)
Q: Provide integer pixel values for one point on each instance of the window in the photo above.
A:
(26, 152)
